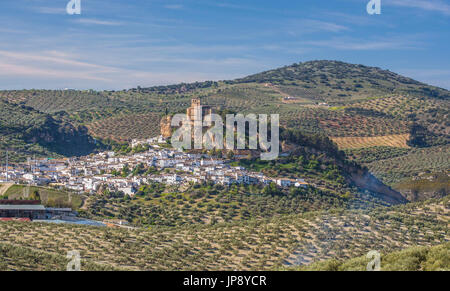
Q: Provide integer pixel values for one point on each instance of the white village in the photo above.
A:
(170, 166)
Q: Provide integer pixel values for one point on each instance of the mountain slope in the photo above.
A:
(369, 101)
(26, 131)
(338, 81)
(425, 258)
(360, 107)
(262, 244)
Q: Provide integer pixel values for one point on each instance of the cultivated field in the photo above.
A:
(126, 127)
(260, 244)
(433, 159)
(397, 141)
(427, 258)
(49, 197)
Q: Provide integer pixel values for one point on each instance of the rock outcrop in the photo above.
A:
(166, 129)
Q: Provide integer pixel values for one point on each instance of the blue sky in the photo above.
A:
(117, 44)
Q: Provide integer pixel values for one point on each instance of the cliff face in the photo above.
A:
(365, 180)
(22, 127)
(166, 129)
(61, 137)
(300, 143)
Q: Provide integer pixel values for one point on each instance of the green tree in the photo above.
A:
(230, 155)
(125, 171)
(35, 195)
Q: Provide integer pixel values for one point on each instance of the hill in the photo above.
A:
(334, 81)
(18, 258)
(332, 182)
(364, 101)
(435, 258)
(261, 244)
(25, 131)
(361, 108)
(393, 130)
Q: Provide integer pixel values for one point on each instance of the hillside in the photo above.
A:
(418, 173)
(365, 101)
(361, 108)
(333, 182)
(334, 81)
(25, 131)
(18, 258)
(262, 244)
(435, 258)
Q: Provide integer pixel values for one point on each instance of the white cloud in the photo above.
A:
(173, 6)
(436, 77)
(51, 10)
(430, 5)
(323, 25)
(56, 69)
(357, 44)
(39, 72)
(51, 64)
(97, 22)
(55, 57)
(307, 26)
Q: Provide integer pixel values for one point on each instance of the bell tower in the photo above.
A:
(195, 102)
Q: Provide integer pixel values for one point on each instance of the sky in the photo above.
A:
(117, 44)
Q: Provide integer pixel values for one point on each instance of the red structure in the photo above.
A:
(20, 202)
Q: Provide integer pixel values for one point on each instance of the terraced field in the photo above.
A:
(433, 159)
(364, 102)
(260, 244)
(340, 123)
(372, 154)
(430, 112)
(18, 258)
(244, 98)
(429, 258)
(337, 237)
(176, 206)
(396, 141)
(400, 105)
(126, 127)
(50, 101)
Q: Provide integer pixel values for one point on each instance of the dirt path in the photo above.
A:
(275, 88)
(4, 187)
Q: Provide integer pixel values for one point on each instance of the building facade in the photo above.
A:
(197, 111)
